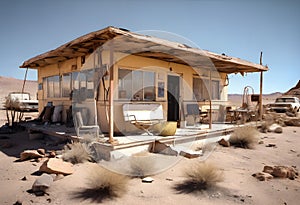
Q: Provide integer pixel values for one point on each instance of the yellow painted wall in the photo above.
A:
(162, 68)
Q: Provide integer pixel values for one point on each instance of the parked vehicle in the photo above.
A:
(21, 102)
(286, 103)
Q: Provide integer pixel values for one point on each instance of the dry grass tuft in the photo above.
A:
(244, 137)
(141, 164)
(200, 176)
(103, 185)
(77, 153)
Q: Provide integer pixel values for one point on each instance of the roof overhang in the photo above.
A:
(145, 46)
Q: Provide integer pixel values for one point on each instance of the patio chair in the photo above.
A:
(85, 129)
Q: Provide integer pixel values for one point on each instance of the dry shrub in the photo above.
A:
(244, 137)
(103, 185)
(77, 153)
(105, 181)
(141, 164)
(200, 176)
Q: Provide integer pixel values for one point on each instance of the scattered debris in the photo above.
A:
(224, 143)
(57, 166)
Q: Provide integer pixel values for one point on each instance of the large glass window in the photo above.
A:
(200, 89)
(136, 85)
(53, 87)
(66, 85)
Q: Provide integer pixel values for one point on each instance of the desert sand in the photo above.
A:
(237, 165)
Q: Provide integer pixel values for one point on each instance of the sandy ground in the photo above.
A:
(237, 164)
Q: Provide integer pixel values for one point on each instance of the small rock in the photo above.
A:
(147, 180)
(41, 151)
(190, 154)
(169, 179)
(17, 203)
(161, 148)
(278, 130)
(30, 154)
(262, 176)
(273, 127)
(224, 143)
(57, 166)
(59, 177)
(261, 142)
(268, 169)
(42, 183)
(285, 172)
(52, 154)
(24, 178)
(293, 122)
(271, 145)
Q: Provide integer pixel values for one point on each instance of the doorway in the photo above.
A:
(173, 97)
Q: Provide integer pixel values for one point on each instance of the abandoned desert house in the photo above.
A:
(114, 78)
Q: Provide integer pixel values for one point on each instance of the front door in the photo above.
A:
(173, 97)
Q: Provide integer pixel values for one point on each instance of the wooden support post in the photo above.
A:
(260, 96)
(210, 96)
(260, 89)
(111, 98)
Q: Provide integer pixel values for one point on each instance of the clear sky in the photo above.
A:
(239, 28)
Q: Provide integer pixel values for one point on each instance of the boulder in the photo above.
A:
(30, 154)
(262, 176)
(42, 183)
(224, 143)
(57, 166)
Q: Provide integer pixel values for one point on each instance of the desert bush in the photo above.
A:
(102, 184)
(107, 182)
(200, 176)
(244, 137)
(141, 164)
(77, 153)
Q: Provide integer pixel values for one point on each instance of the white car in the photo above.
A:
(286, 103)
(21, 102)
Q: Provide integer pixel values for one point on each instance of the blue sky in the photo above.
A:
(238, 28)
